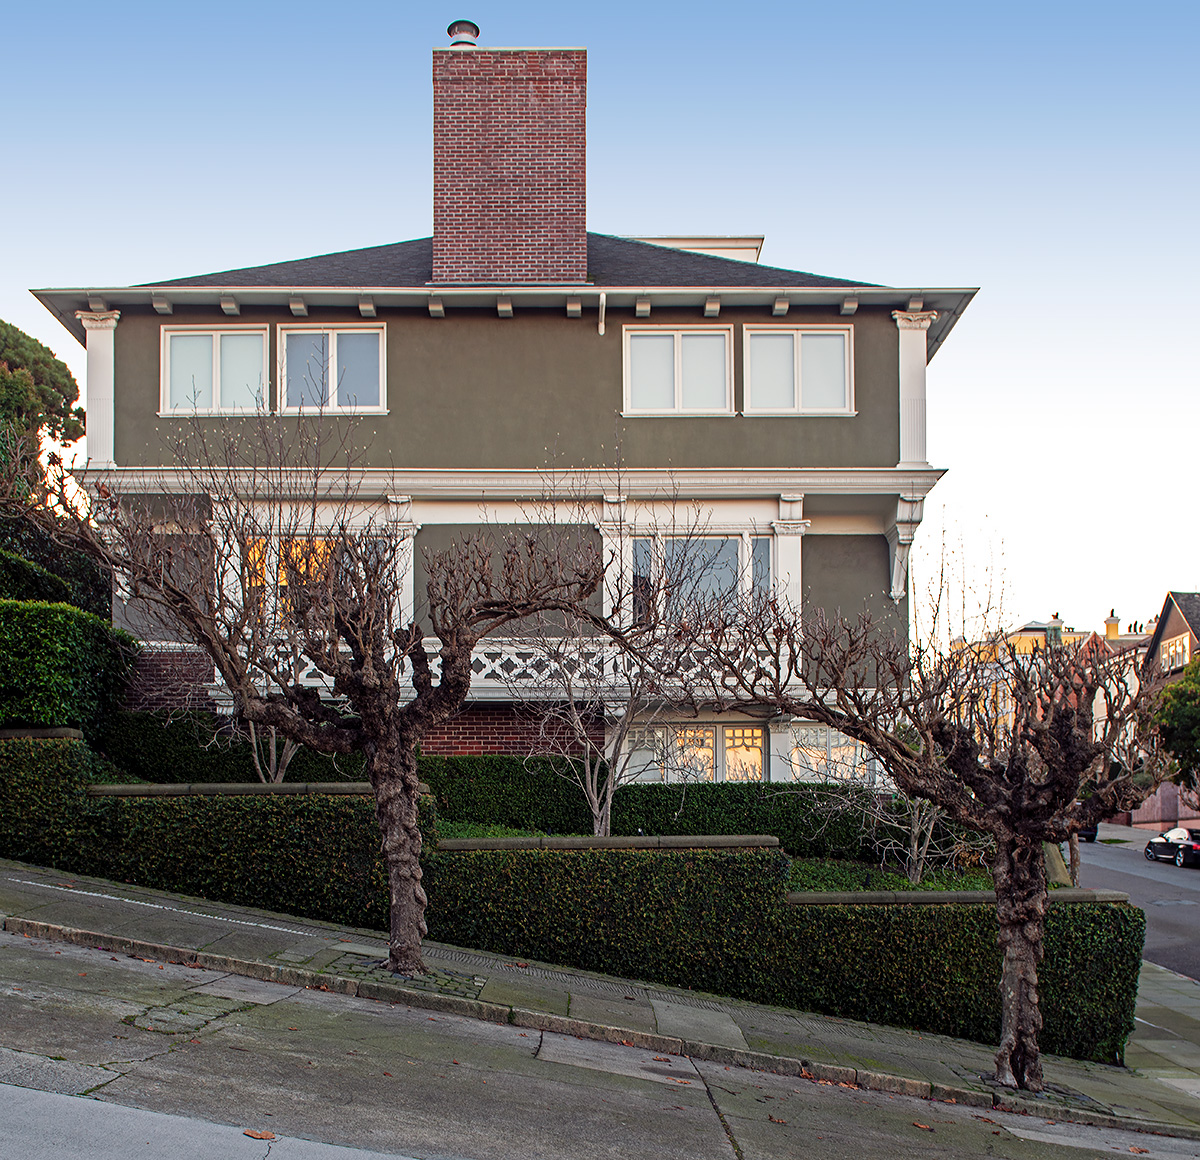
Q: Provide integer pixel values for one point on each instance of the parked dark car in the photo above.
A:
(1179, 846)
(1088, 833)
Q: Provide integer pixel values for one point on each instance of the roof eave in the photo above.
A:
(949, 303)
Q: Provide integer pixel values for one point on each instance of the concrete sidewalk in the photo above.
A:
(1159, 1091)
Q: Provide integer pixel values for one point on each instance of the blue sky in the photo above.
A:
(1044, 152)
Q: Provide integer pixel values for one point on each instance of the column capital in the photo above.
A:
(790, 527)
(914, 319)
(98, 319)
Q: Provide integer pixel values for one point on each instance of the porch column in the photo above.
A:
(101, 327)
(914, 327)
(789, 531)
(779, 749)
(617, 548)
(399, 517)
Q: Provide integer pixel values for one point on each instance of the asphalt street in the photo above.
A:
(173, 1061)
(1169, 895)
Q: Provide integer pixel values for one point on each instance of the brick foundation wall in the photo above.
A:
(171, 679)
(487, 729)
(509, 165)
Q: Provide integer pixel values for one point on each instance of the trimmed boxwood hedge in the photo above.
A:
(22, 579)
(60, 666)
(709, 919)
(716, 921)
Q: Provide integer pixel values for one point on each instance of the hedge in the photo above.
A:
(22, 579)
(716, 921)
(181, 747)
(89, 586)
(712, 920)
(60, 666)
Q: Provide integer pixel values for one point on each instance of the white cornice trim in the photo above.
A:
(485, 484)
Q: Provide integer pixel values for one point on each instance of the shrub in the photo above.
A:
(837, 874)
(60, 666)
(716, 920)
(191, 747)
(22, 579)
(89, 587)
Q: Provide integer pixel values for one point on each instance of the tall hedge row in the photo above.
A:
(712, 919)
(60, 666)
(22, 579)
(502, 790)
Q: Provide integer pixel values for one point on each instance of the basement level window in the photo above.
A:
(700, 752)
(330, 369)
(678, 371)
(213, 371)
(794, 370)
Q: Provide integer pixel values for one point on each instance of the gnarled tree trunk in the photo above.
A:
(392, 768)
(1019, 870)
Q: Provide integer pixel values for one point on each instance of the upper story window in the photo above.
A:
(697, 569)
(213, 371)
(679, 371)
(1175, 653)
(334, 368)
(792, 370)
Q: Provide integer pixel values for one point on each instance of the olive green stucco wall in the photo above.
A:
(475, 390)
(847, 574)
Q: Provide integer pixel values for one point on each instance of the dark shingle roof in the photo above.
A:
(612, 261)
(1188, 603)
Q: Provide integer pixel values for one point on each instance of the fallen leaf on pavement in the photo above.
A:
(775, 1121)
(1139, 1150)
(626, 1043)
(683, 1081)
(923, 1127)
(388, 1074)
(258, 1135)
(661, 1059)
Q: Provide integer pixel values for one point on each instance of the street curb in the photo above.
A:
(581, 1029)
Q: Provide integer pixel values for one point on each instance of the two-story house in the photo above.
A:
(790, 406)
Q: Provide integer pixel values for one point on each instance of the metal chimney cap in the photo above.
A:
(463, 32)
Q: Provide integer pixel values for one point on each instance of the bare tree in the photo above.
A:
(1024, 748)
(262, 547)
(606, 686)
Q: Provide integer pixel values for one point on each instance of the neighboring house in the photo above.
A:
(1170, 647)
(790, 406)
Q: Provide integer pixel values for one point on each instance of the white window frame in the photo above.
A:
(798, 332)
(165, 410)
(668, 770)
(677, 332)
(333, 330)
(745, 538)
(1175, 653)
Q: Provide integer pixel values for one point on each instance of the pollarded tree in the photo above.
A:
(261, 548)
(1024, 748)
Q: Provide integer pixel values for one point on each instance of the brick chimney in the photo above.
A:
(509, 163)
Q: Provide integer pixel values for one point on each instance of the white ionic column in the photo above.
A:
(789, 532)
(101, 327)
(399, 517)
(913, 326)
(617, 549)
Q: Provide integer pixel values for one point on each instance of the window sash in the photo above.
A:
(690, 376)
(213, 370)
(331, 354)
(818, 380)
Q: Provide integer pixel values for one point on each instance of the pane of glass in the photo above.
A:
(699, 569)
(743, 753)
(652, 372)
(357, 369)
(643, 579)
(704, 372)
(695, 751)
(823, 372)
(760, 565)
(647, 754)
(772, 385)
(307, 369)
(810, 753)
(242, 371)
(191, 371)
